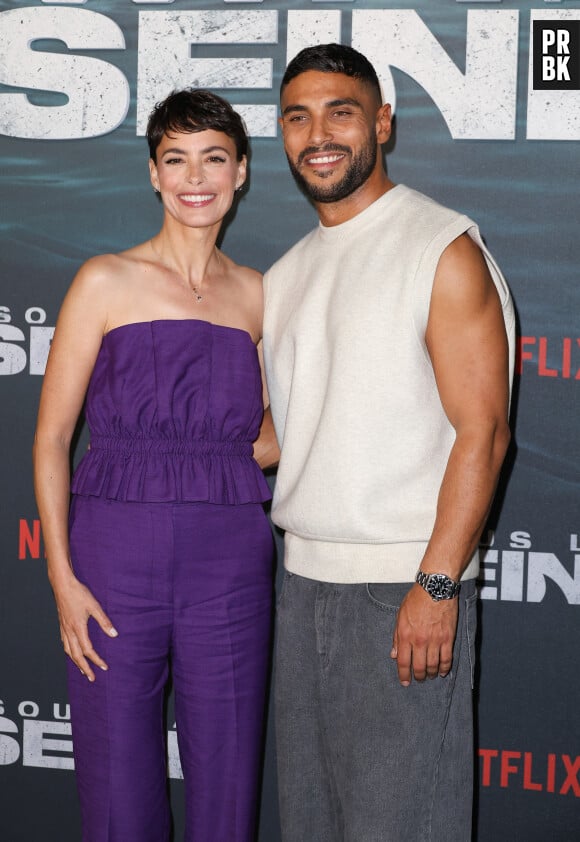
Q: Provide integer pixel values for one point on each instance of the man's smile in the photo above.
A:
(325, 157)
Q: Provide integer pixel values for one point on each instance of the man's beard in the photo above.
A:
(357, 173)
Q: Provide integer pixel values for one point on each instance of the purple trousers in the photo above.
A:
(188, 586)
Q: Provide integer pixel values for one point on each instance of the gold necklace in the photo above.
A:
(192, 287)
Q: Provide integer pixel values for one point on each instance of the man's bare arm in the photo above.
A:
(467, 342)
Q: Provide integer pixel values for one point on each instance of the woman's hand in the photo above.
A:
(75, 604)
(266, 449)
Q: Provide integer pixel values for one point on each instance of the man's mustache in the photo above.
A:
(323, 150)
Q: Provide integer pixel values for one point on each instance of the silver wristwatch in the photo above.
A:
(438, 585)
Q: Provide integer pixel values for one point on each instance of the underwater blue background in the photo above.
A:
(63, 201)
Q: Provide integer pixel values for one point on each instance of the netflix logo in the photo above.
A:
(30, 544)
(553, 773)
(548, 357)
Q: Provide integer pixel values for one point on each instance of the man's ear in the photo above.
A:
(384, 123)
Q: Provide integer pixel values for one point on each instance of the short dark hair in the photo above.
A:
(195, 110)
(333, 58)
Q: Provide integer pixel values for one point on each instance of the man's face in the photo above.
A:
(331, 133)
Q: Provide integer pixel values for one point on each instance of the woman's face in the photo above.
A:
(197, 174)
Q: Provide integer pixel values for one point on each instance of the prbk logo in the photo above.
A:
(24, 349)
(556, 55)
(520, 574)
(30, 738)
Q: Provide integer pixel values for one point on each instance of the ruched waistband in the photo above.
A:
(196, 447)
(140, 468)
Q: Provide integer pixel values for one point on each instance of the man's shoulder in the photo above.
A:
(425, 207)
(289, 258)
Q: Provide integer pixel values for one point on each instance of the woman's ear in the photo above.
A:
(153, 175)
(242, 172)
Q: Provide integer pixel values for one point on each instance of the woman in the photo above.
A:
(167, 557)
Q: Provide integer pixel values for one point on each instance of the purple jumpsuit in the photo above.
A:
(168, 531)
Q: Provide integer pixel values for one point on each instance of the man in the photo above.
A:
(389, 345)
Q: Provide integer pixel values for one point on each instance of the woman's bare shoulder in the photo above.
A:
(253, 281)
(244, 274)
(104, 270)
(250, 276)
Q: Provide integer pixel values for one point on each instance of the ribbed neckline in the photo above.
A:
(359, 221)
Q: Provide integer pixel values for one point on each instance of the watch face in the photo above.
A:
(440, 586)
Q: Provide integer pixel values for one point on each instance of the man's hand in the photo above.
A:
(424, 636)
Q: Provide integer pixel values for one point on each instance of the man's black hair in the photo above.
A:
(195, 110)
(333, 58)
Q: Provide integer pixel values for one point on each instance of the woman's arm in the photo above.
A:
(266, 450)
(77, 339)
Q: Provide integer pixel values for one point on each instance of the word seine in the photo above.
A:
(32, 740)
(478, 104)
(522, 575)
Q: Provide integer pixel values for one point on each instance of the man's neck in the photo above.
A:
(335, 213)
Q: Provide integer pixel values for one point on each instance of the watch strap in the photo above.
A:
(439, 586)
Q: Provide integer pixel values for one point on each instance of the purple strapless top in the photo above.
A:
(173, 408)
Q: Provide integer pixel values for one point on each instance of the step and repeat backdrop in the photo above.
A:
(487, 103)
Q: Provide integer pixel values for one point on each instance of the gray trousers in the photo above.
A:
(361, 758)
